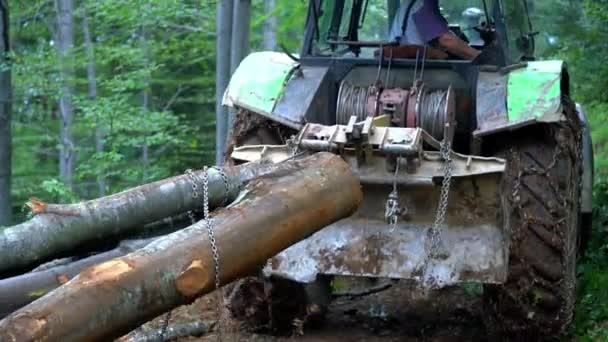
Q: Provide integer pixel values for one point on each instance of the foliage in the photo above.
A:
(162, 48)
(165, 49)
(591, 320)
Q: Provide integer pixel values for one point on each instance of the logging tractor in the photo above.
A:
(473, 171)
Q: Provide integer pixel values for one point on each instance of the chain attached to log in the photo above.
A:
(208, 221)
(214, 250)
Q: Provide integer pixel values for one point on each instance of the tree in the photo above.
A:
(223, 30)
(5, 116)
(65, 45)
(241, 21)
(270, 26)
(92, 87)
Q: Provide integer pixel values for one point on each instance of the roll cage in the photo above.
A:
(496, 34)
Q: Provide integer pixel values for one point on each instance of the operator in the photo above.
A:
(419, 22)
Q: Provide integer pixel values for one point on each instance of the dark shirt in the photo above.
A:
(424, 22)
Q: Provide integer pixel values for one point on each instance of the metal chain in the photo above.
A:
(392, 210)
(214, 250)
(434, 244)
(208, 221)
(163, 329)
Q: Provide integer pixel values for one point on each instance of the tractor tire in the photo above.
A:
(253, 129)
(541, 187)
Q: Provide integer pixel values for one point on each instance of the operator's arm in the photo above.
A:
(456, 46)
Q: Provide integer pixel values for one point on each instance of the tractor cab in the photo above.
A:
(359, 28)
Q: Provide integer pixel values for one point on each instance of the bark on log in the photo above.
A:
(271, 214)
(19, 291)
(61, 228)
(174, 331)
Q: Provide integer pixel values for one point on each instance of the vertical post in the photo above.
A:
(392, 6)
(223, 27)
(5, 117)
(241, 20)
(270, 26)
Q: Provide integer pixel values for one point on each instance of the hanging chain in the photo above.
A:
(214, 251)
(208, 221)
(434, 244)
(392, 210)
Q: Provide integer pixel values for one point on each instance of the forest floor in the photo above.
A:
(399, 313)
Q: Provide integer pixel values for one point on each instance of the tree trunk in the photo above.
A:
(92, 89)
(241, 21)
(270, 26)
(273, 213)
(65, 44)
(145, 102)
(222, 74)
(5, 117)
(60, 228)
(19, 291)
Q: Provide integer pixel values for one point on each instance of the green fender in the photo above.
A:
(259, 81)
(529, 94)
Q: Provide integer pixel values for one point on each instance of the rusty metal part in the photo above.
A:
(393, 102)
(419, 106)
(369, 249)
(474, 233)
(391, 140)
(363, 245)
(412, 105)
(427, 171)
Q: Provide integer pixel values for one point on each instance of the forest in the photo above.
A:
(98, 96)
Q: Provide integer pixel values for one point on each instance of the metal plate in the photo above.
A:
(300, 95)
(259, 81)
(358, 247)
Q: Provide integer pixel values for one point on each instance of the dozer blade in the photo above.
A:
(474, 236)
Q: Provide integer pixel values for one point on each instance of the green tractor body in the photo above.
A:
(472, 171)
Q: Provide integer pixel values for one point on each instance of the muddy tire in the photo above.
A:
(541, 188)
(253, 129)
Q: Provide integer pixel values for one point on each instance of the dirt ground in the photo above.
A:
(399, 313)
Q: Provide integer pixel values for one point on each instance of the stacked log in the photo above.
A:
(283, 204)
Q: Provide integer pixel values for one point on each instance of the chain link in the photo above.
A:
(392, 210)
(434, 243)
(163, 329)
(208, 222)
(214, 250)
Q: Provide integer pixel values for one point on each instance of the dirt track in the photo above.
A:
(396, 314)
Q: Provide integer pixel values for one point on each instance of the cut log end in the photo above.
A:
(37, 206)
(194, 279)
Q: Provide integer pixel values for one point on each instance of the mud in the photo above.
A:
(400, 313)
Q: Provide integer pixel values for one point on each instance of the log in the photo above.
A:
(59, 228)
(272, 213)
(173, 331)
(19, 291)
